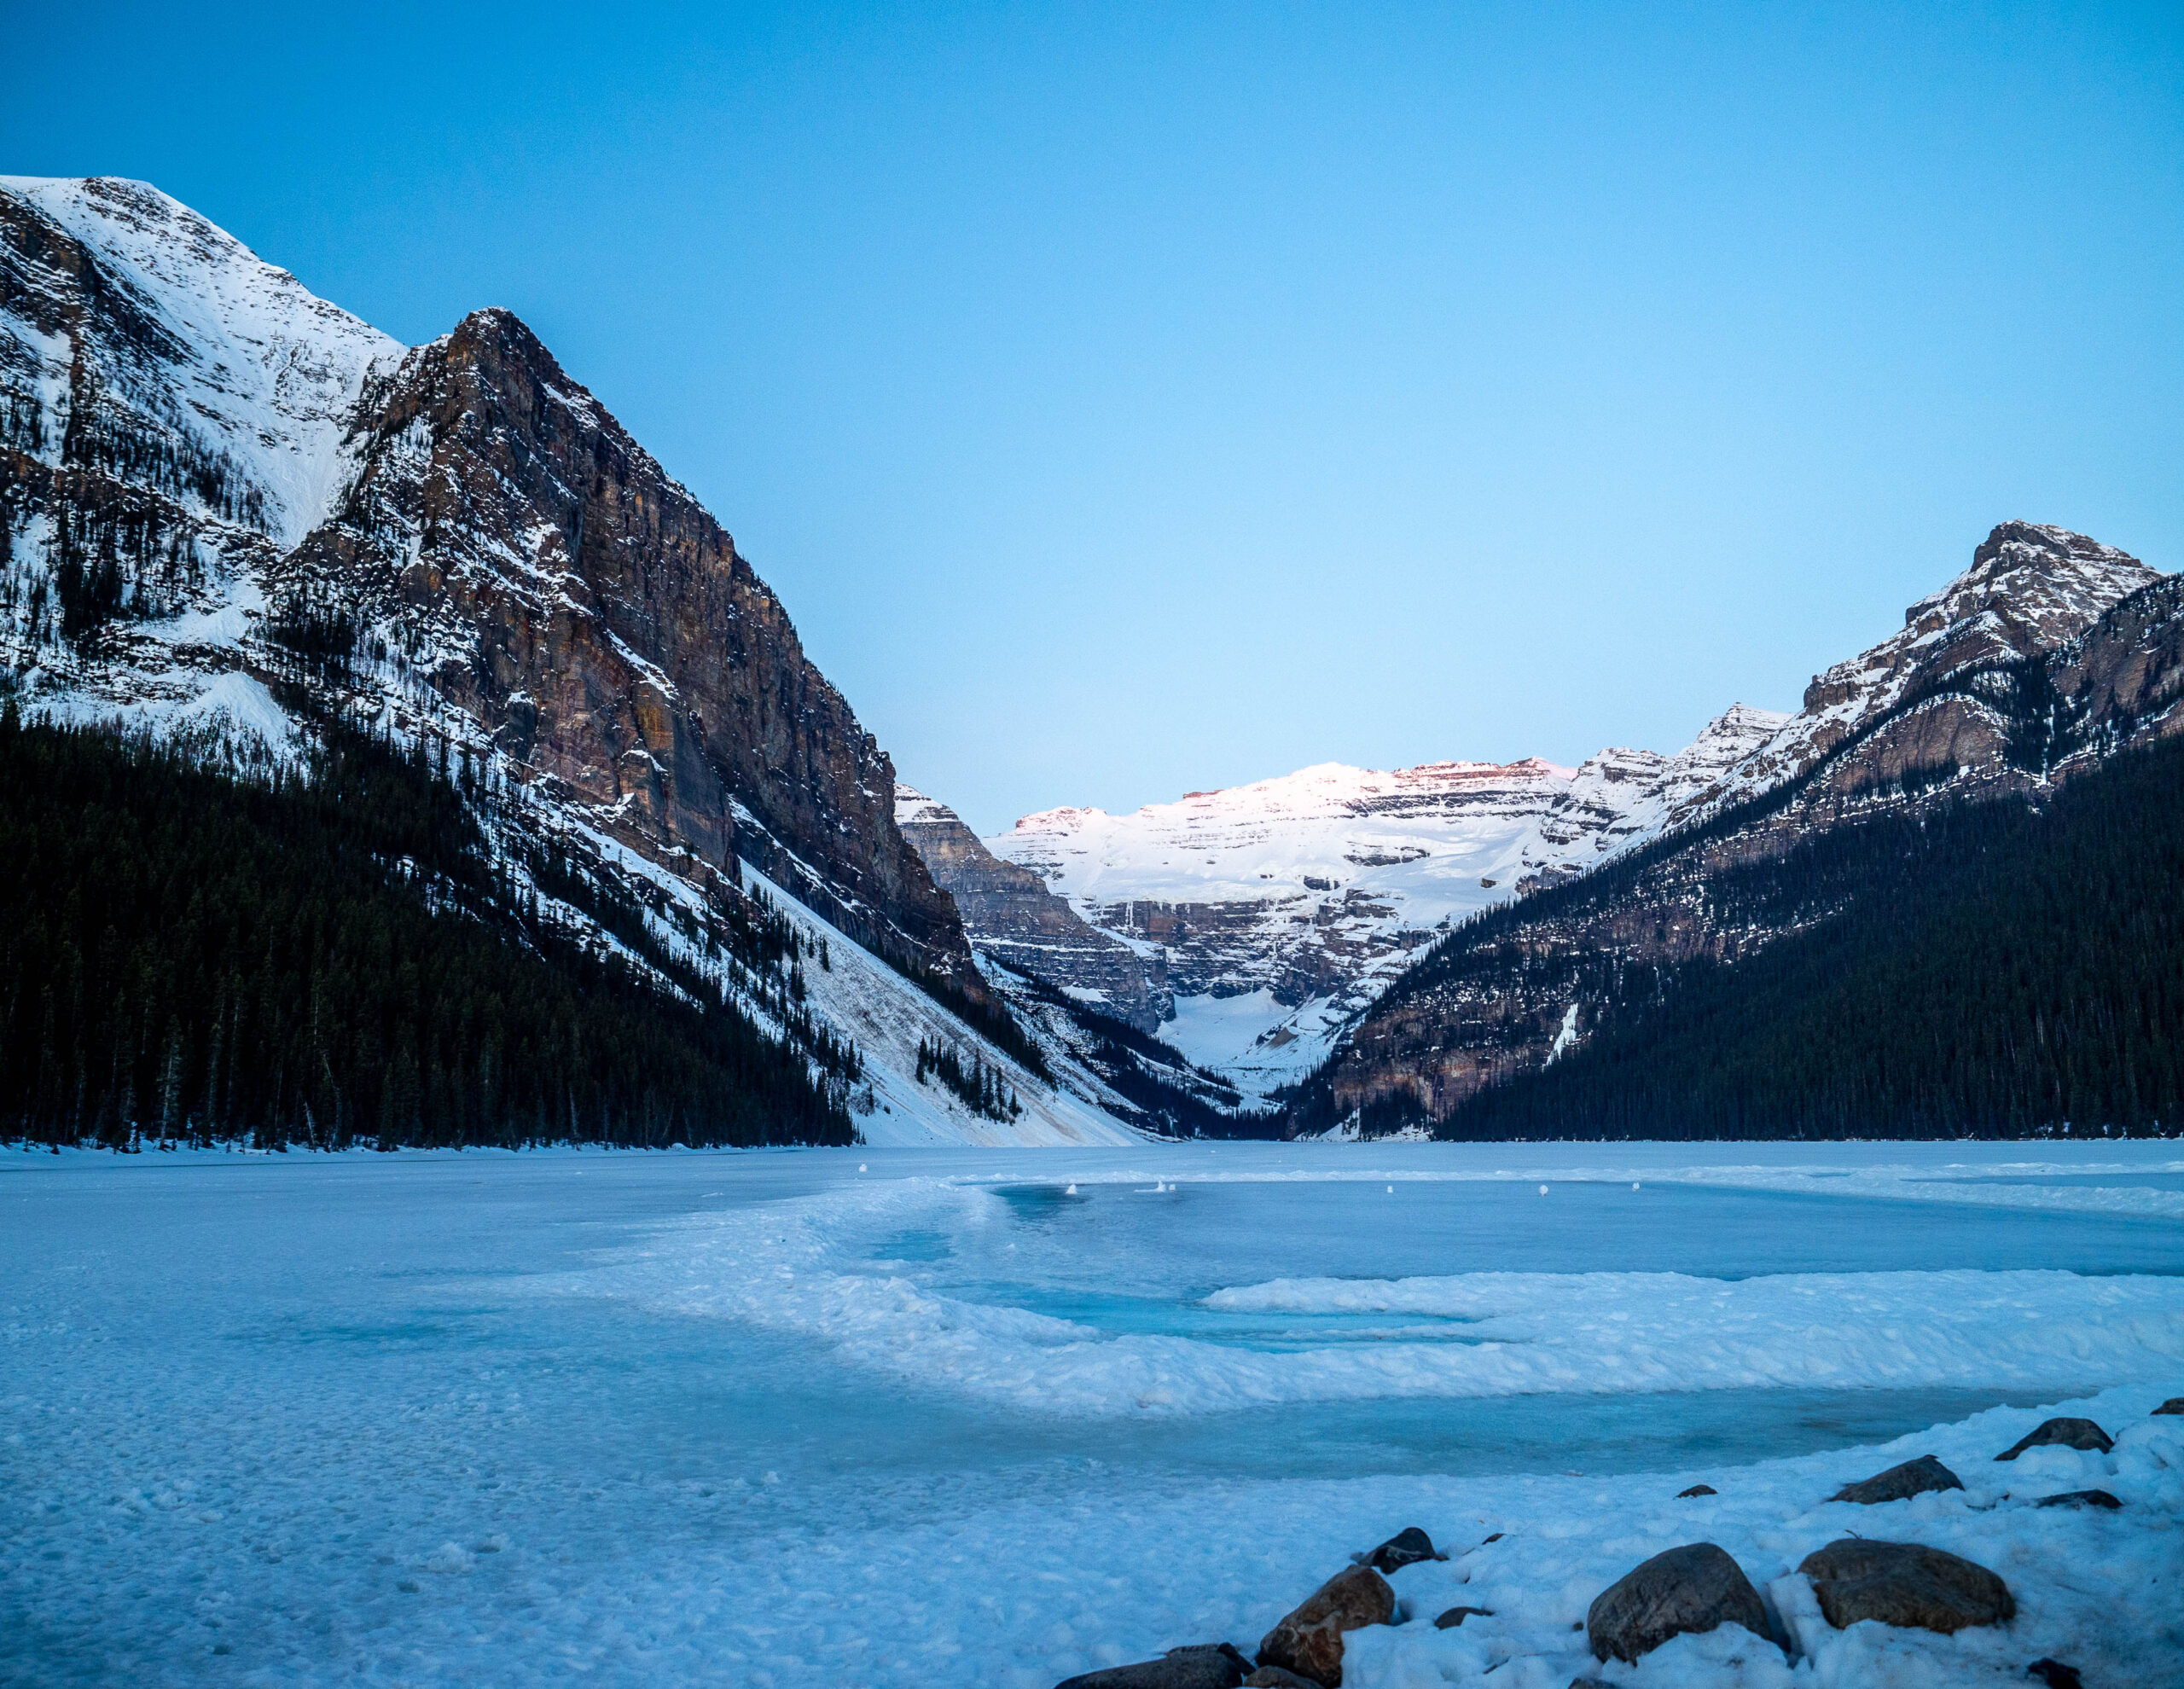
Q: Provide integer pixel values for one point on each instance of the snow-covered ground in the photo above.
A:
(879, 1417)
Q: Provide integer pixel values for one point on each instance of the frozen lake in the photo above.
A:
(870, 1416)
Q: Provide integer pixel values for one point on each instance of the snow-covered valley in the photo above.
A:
(891, 1418)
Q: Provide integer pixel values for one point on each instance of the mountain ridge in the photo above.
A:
(232, 511)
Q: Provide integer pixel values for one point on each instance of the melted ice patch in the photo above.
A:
(826, 1269)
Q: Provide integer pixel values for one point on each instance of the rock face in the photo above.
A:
(538, 568)
(2060, 1433)
(172, 416)
(1011, 916)
(1217, 1666)
(2052, 652)
(1906, 1584)
(1308, 1640)
(1900, 1484)
(1697, 1587)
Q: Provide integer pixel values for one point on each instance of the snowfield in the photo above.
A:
(877, 1417)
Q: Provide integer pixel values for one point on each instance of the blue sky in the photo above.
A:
(1133, 399)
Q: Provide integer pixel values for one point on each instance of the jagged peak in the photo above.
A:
(2034, 567)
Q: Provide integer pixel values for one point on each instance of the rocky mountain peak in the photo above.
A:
(2049, 581)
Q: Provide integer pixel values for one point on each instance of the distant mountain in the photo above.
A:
(2049, 659)
(235, 514)
(1273, 916)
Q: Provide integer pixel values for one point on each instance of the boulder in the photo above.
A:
(1696, 1489)
(1274, 1677)
(2174, 1405)
(1456, 1616)
(2054, 1674)
(1203, 1666)
(2080, 1498)
(2061, 1433)
(1898, 1483)
(1309, 1641)
(1691, 1588)
(1407, 1548)
(1906, 1584)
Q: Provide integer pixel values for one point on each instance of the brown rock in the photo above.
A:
(1696, 1588)
(1455, 1616)
(1309, 1641)
(1898, 1483)
(1906, 1584)
(1407, 1548)
(2061, 1433)
(1203, 1666)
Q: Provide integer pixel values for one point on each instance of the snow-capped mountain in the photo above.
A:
(229, 506)
(1275, 913)
(2052, 654)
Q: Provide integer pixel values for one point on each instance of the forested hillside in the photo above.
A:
(330, 955)
(1980, 970)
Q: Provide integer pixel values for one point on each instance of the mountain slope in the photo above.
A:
(1274, 912)
(1980, 969)
(332, 955)
(232, 511)
(1992, 706)
(1011, 916)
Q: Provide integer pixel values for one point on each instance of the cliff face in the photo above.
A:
(1011, 916)
(541, 571)
(2050, 653)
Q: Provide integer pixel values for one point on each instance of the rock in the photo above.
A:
(1590, 1683)
(2054, 1674)
(1696, 1489)
(2174, 1405)
(2080, 1498)
(1906, 1584)
(1202, 1666)
(1898, 1483)
(1692, 1588)
(1497, 1537)
(1309, 1641)
(1274, 1677)
(1456, 1616)
(2061, 1433)
(1407, 1548)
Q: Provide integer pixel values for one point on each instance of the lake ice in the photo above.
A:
(895, 1418)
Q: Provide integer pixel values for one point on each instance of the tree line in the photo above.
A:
(1982, 969)
(329, 954)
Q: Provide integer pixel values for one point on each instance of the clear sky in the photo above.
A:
(1131, 399)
